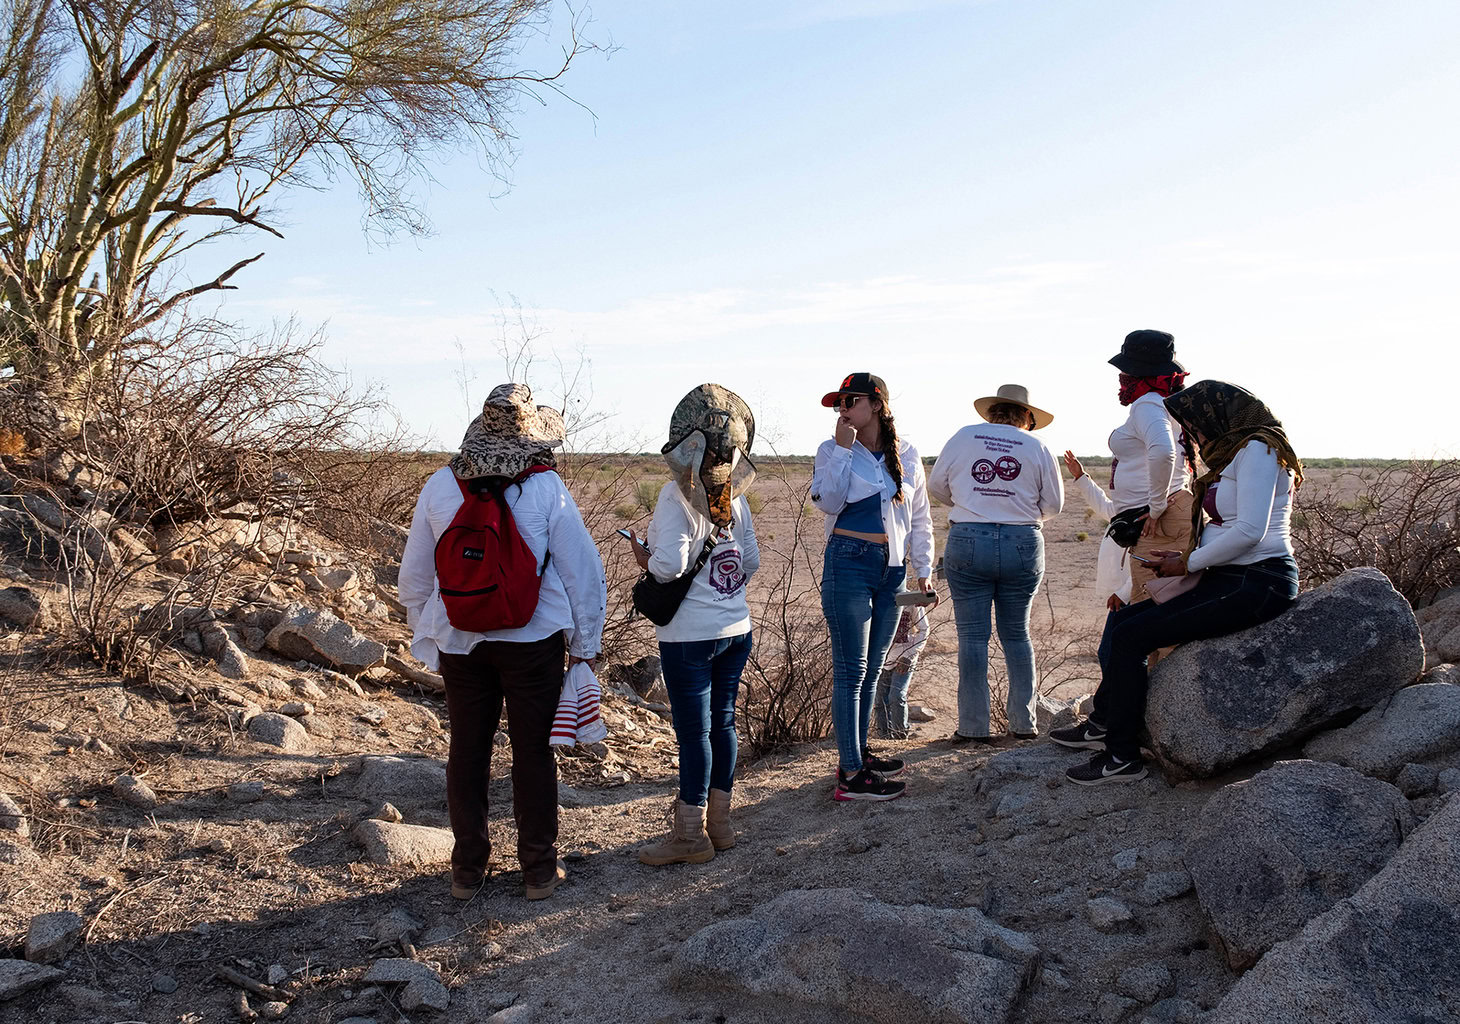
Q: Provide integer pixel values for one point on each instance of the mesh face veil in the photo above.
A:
(708, 451)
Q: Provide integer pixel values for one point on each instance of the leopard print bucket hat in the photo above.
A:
(511, 434)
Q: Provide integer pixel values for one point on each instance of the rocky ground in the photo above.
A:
(259, 833)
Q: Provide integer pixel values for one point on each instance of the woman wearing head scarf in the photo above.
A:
(1002, 483)
(871, 485)
(1244, 555)
(506, 456)
(1148, 468)
(704, 647)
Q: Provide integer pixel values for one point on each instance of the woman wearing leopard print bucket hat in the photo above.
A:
(701, 527)
(506, 459)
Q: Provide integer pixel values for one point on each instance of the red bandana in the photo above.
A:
(1132, 388)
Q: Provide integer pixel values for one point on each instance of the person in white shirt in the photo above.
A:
(1002, 482)
(871, 486)
(1244, 555)
(890, 708)
(1148, 470)
(704, 647)
(523, 666)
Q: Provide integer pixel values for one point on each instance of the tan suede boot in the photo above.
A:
(687, 842)
(717, 820)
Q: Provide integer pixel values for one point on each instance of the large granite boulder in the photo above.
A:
(1387, 953)
(1440, 624)
(398, 845)
(1418, 723)
(317, 636)
(832, 948)
(1342, 647)
(1269, 854)
(411, 783)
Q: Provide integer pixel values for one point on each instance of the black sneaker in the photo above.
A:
(888, 766)
(1084, 736)
(1106, 767)
(866, 785)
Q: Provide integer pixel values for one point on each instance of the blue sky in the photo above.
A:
(953, 195)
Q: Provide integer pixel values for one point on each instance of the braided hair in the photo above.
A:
(892, 457)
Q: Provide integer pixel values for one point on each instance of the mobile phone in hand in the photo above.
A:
(628, 535)
(1139, 558)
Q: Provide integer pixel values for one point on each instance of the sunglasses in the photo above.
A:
(846, 402)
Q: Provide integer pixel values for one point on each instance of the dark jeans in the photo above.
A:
(858, 597)
(1229, 598)
(530, 677)
(703, 678)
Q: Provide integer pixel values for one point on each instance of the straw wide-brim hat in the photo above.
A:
(1016, 394)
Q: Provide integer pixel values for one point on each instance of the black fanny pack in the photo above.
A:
(657, 601)
(1125, 527)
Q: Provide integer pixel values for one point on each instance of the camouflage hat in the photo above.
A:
(708, 451)
(510, 434)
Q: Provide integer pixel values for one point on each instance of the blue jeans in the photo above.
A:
(996, 565)
(703, 677)
(890, 707)
(857, 591)
(1227, 599)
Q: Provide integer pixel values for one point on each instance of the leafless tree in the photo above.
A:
(133, 132)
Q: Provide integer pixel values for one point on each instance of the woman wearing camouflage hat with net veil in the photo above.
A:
(506, 458)
(1238, 572)
(704, 647)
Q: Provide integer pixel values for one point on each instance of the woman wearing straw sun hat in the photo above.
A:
(1002, 482)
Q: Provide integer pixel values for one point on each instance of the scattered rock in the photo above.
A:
(397, 845)
(22, 606)
(1342, 647)
(918, 713)
(1112, 1007)
(388, 812)
(1441, 625)
(1126, 860)
(410, 783)
(955, 964)
(1046, 710)
(274, 1010)
(51, 936)
(12, 818)
(164, 983)
(494, 1002)
(1145, 983)
(296, 708)
(1108, 914)
(277, 974)
(1419, 722)
(424, 992)
(134, 791)
(1161, 886)
(19, 856)
(318, 636)
(399, 970)
(1270, 853)
(308, 688)
(246, 792)
(318, 726)
(373, 714)
(1417, 779)
(280, 731)
(17, 977)
(1387, 953)
(395, 926)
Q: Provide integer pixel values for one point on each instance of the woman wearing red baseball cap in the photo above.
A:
(871, 485)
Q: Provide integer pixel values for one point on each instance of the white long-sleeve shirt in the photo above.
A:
(573, 595)
(1150, 465)
(846, 475)
(715, 605)
(1112, 573)
(997, 473)
(1253, 499)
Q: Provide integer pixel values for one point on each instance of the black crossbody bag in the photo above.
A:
(1125, 527)
(657, 601)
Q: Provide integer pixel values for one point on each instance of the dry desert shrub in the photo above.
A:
(1403, 519)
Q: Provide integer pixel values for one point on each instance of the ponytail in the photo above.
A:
(892, 457)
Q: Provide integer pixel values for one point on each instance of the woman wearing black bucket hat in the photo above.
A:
(1148, 471)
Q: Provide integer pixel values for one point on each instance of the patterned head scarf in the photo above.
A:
(708, 451)
(510, 435)
(1227, 417)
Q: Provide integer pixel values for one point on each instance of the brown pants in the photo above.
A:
(530, 677)
(1172, 533)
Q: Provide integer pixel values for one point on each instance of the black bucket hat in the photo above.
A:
(857, 384)
(1148, 354)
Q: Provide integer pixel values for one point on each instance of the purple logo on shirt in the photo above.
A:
(726, 576)
(984, 472)
(1007, 467)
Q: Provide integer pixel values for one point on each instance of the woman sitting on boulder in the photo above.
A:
(1240, 571)
(701, 525)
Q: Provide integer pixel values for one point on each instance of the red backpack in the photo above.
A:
(489, 577)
